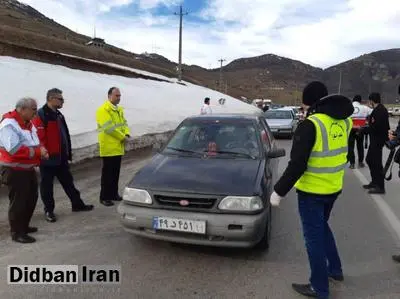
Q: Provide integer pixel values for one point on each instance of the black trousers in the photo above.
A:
(23, 195)
(375, 164)
(110, 177)
(353, 139)
(64, 176)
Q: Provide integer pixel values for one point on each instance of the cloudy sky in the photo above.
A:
(318, 32)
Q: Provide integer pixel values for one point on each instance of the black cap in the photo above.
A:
(357, 98)
(375, 97)
(313, 92)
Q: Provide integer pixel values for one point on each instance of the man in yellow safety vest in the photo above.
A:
(316, 168)
(113, 134)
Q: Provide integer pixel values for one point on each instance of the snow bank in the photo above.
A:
(151, 107)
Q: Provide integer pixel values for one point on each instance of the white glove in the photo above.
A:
(275, 199)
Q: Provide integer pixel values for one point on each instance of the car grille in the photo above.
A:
(198, 203)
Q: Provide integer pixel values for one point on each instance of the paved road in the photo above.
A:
(162, 270)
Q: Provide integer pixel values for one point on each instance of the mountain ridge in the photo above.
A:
(263, 76)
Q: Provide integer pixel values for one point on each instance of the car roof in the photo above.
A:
(230, 116)
(282, 109)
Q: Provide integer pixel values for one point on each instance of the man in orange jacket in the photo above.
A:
(20, 152)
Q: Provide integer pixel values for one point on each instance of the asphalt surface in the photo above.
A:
(156, 269)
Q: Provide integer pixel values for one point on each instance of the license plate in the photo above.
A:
(180, 225)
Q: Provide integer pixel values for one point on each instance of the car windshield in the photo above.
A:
(278, 114)
(215, 138)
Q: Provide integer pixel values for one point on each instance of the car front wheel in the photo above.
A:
(264, 243)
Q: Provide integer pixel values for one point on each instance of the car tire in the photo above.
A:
(264, 243)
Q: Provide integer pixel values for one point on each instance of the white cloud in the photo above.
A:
(148, 4)
(317, 32)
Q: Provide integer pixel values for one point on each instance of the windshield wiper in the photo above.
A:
(235, 153)
(183, 150)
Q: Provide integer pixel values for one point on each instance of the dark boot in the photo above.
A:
(107, 203)
(305, 290)
(119, 198)
(50, 217)
(396, 258)
(376, 190)
(83, 208)
(22, 238)
(369, 186)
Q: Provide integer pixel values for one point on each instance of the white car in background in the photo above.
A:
(282, 121)
(296, 110)
(395, 111)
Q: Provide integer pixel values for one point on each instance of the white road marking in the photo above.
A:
(392, 220)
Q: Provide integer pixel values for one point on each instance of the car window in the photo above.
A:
(267, 138)
(278, 114)
(201, 137)
(266, 126)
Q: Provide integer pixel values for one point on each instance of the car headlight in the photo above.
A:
(137, 195)
(241, 203)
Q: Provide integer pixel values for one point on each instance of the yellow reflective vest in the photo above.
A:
(328, 158)
(112, 129)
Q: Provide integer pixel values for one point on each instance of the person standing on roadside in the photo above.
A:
(316, 169)
(54, 136)
(113, 134)
(378, 127)
(20, 153)
(359, 117)
(206, 109)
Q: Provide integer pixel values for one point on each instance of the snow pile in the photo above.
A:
(150, 106)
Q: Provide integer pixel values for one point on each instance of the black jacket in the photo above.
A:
(336, 106)
(378, 125)
(49, 116)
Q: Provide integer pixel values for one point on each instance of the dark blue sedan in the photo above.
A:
(208, 185)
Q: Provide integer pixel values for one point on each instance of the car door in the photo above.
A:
(266, 140)
(272, 164)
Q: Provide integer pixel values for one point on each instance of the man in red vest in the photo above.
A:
(360, 115)
(20, 152)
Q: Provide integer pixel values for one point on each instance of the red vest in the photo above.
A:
(24, 157)
(359, 122)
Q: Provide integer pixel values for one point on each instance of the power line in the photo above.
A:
(181, 14)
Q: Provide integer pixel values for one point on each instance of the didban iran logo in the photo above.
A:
(64, 274)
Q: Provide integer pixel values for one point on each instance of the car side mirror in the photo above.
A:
(276, 153)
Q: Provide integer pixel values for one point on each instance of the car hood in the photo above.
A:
(279, 122)
(196, 175)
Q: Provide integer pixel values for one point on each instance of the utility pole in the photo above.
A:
(340, 82)
(220, 74)
(181, 14)
(154, 48)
